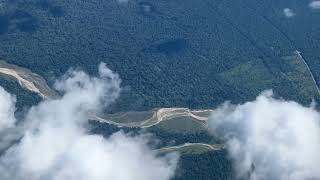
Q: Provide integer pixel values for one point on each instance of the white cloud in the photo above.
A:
(8, 131)
(314, 5)
(7, 108)
(270, 138)
(56, 145)
(288, 12)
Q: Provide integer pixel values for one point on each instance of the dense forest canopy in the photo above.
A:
(177, 53)
(168, 53)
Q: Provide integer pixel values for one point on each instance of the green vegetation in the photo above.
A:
(181, 53)
(169, 54)
(210, 165)
(255, 77)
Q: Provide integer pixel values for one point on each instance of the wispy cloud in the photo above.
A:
(270, 138)
(288, 12)
(55, 144)
(314, 5)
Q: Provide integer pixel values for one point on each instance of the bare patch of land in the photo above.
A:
(194, 148)
(28, 80)
(155, 117)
